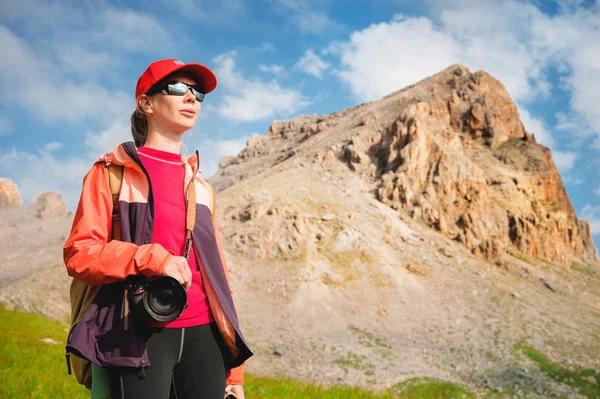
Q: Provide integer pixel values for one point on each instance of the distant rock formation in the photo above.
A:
(450, 151)
(48, 205)
(9, 193)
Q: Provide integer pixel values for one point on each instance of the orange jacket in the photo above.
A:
(91, 256)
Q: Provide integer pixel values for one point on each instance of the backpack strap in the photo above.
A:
(213, 197)
(190, 219)
(115, 180)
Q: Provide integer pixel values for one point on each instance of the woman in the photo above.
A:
(201, 353)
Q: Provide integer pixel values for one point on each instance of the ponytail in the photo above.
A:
(139, 127)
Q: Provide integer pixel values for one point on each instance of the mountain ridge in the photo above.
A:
(462, 115)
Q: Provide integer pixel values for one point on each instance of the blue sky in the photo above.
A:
(68, 72)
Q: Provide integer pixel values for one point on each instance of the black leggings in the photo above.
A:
(186, 363)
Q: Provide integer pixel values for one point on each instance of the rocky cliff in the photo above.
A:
(450, 151)
(9, 193)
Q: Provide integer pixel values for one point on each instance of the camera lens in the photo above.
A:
(164, 299)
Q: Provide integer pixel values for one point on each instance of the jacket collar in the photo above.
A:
(126, 155)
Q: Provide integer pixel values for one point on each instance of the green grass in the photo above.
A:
(416, 388)
(261, 387)
(576, 377)
(30, 368)
(429, 388)
(585, 269)
(521, 256)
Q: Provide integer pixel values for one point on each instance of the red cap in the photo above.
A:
(160, 69)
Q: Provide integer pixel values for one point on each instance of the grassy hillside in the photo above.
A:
(32, 365)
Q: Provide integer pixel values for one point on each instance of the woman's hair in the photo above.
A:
(139, 126)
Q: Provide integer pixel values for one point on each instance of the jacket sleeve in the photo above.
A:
(88, 254)
(235, 376)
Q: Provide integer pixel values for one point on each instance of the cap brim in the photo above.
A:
(203, 74)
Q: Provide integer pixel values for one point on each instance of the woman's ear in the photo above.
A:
(145, 104)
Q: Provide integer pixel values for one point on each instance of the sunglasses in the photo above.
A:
(178, 89)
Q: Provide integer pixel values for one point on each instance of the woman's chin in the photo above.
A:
(182, 128)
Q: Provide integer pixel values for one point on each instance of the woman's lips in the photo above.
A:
(188, 112)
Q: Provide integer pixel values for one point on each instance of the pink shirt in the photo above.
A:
(167, 177)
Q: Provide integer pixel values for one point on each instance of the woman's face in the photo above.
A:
(172, 113)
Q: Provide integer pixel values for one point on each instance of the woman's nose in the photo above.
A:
(189, 96)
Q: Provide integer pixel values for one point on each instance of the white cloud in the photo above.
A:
(228, 76)
(107, 139)
(39, 14)
(312, 64)
(275, 69)
(536, 126)
(572, 180)
(38, 86)
(389, 56)
(597, 191)
(266, 47)
(591, 214)
(132, 31)
(74, 58)
(564, 161)
(567, 122)
(398, 17)
(314, 22)
(212, 150)
(585, 84)
(40, 171)
(53, 146)
(306, 17)
(187, 8)
(251, 100)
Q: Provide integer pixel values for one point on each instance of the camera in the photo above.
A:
(158, 299)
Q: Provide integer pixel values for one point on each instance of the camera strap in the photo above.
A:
(190, 218)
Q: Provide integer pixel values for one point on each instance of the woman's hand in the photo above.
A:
(236, 390)
(178, 268)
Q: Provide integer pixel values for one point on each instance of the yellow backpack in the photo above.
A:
(82, 294)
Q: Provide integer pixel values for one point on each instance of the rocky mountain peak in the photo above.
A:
(450, 151)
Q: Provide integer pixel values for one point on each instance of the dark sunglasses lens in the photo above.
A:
(199, 96)
(178, 89)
